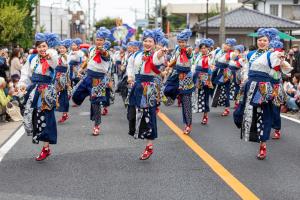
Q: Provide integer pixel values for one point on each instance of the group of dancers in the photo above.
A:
(148, 75)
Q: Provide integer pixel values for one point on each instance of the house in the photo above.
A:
(287, 9)
(242, 21)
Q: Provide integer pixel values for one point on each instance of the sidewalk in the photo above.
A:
(7, 129)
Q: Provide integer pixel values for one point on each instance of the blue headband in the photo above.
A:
(164, 42)
(67, 43)
(159, 35)
(77, 41)
(230, 41)
(270, 33)
(149, 34)
(240, 47)
(207, 42)
(103, 32)
(184, 35)
(40, 37)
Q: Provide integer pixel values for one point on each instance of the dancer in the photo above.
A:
(254, 113)
(39, 101)
(94, 84)
(202, 79)
(221, 75)
(62, 81)
(142, 68)
(180, 82)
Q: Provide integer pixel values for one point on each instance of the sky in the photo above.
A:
(124, 8)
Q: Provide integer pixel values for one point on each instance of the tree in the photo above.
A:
(25, 39)
(107, 22)
(11, 22)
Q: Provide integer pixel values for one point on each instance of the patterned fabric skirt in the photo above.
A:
(254, 119)
(221, 95)
(39, 117)
(200, 100)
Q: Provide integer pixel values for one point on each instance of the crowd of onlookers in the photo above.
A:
(11, 63)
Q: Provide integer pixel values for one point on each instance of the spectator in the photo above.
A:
(293, 92)
(4, 99)
(3, 65)
(296, 63)
(15, 65)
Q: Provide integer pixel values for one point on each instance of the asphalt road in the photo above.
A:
(108, 167)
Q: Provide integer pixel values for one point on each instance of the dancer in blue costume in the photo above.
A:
(180, 82)
(254, 113)
(202, 79)
(221, 75)
(142, 69)
(96, 81)
(62, 80)
(36, 76)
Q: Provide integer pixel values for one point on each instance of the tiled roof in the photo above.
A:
(247, 18)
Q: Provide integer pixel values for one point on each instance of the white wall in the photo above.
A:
(58, 15)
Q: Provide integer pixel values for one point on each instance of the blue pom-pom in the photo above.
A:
(211, 42)
(107, 45)
(184, 35)
(103, 32)
(164, 42)
(40, 37)
(230, 41)
(159, 35)
(67, 43)
(52, 39)
(240, 48)
(276, 44)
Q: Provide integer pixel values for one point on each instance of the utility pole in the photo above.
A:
(37, 17)
(156, 14)
(206, 28)
(89, 20)
(160, 14)
(222, 24)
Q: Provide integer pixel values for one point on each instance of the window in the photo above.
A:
(274, 9)
(291, 12)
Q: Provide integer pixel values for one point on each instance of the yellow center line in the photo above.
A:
(223, 173)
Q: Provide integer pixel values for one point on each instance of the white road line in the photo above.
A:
(11, 142)
(290, 118)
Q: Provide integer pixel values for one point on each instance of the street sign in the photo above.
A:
(142, 23)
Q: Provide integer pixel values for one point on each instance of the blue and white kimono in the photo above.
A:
(235, 66)
(75, 60)
(254, 113)
(143, 96)
(180, 82)
(62, 84)
(202, 80)
(39, 118)
(94, 84)
(221, 78)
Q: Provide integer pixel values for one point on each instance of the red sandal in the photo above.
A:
(262, 152)
(276, 135)
(96, 130)
(44, 154)
(147, 152)
(187, 130)
(204, 120)
(226, 112)
(104, 111)
(63, 118)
